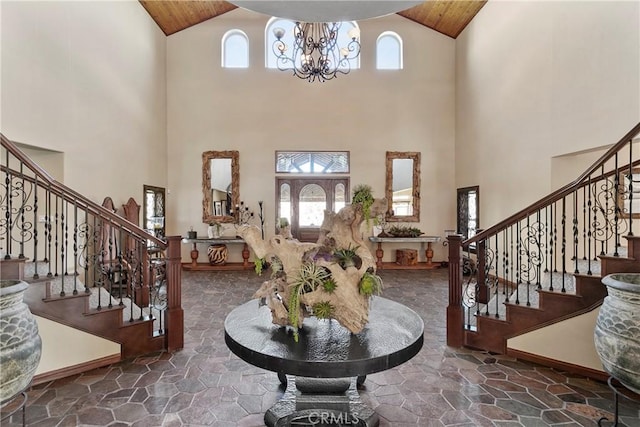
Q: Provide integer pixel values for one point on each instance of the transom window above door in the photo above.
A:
(312, 162)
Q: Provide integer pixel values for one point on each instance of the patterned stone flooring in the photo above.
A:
(204, 384)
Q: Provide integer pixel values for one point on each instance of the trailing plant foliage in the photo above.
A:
(370, 284)
(294, 310)
(363, 195)
(259, 264)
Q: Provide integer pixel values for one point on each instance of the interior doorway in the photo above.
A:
(303, 202)
(468, 211)
(153, 210)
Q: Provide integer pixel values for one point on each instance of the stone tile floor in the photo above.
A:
(204, 384)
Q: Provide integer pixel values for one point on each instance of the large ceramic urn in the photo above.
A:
(617, 331)
(20, 344)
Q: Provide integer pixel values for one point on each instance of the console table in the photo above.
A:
(323, 368)
(194, 265)
(429, 264)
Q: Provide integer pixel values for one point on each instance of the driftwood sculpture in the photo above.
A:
(332, 279)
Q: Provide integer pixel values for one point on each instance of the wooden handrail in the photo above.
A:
(67, 193)
(560, 193)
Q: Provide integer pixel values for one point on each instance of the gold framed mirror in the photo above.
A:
(402, 188)
(220, 185)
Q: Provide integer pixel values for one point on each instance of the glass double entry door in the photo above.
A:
(303, 202)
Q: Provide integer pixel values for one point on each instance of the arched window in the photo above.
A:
(288, 26)
(235, 49)
(285, 202)
(339, 197)
(313, 202)
(389, 51)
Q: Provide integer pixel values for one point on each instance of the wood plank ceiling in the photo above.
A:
(448, 17)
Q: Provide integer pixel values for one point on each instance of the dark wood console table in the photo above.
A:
(325, 365)
(429, 264)
(194, 265)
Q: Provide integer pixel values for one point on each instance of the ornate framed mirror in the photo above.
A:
(402, 188)
(220, 185)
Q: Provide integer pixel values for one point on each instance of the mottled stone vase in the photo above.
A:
(617, 331)
(20, 344)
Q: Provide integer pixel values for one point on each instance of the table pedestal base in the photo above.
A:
(321, 402)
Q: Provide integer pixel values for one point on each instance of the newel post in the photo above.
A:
(455, 314)
(174, 313)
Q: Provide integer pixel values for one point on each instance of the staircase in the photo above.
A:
(87, 267)
(545, 263)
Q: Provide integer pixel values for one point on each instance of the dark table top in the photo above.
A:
(325, 349)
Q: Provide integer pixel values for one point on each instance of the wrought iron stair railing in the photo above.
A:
(81, 247)
(543, 246)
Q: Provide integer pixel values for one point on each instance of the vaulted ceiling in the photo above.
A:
(448, 17)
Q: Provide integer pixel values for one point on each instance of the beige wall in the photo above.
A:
(64, 347)
(536, 80)
(570, 341)
(257, 111)
(87, 79)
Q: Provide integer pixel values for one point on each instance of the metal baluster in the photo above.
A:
(584, 223)
(98, 257)
(7, 215)
(87, 247)
(61, 257)
(555, 237)
(564, 241)
(55, 245)
(63, 221)
(547, 249)
(75, 247)
(35, 229)
(594, 223)
(22, 219)
(575, 232)
(529, 266)
(605, 215)
(630, 188)
(121, 268)
(139, 288)
(552, 253)
(497, 276)
(476, 298)
(505, 264)
(616, 209)
(589, 225)
(539, 238)
(48, 233)
(514, 260)
(110, 253)
(518, 266)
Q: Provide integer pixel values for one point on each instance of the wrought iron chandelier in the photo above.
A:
(315, 54)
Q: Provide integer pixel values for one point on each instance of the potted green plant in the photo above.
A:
(363, 195)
